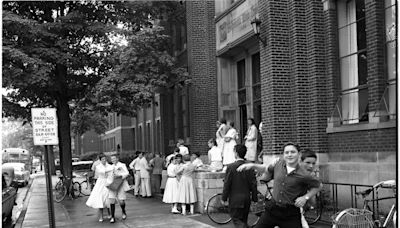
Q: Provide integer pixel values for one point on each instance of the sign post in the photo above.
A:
(44, 124)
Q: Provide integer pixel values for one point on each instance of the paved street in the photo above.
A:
(17, 208)
(74, 213)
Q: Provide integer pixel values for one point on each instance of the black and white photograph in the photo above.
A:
(200, 113)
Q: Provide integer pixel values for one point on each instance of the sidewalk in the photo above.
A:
(74, 213)
(141, 213)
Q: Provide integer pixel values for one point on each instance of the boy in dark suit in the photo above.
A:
(238, 187)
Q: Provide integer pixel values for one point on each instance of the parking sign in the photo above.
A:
(44, 123)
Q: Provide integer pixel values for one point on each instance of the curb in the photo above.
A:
(21, 217)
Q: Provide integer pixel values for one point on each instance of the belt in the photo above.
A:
(171, 177)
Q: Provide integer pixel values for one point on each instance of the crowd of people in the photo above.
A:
(294, 183)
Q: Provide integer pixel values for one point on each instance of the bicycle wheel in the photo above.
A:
(216, 211)
(313, 213)
(59, 192)
(76, 187)
(85, 188)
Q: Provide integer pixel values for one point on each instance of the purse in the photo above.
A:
(115, 184)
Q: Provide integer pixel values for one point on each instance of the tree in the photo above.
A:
(63, 55)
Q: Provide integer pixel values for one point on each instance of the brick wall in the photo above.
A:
(292, 74)
(375, 29)
(202, 67)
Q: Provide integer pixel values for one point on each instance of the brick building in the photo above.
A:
(320, 73)
(187, 112)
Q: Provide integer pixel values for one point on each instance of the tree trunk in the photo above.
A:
(64, 124)
(64, 121)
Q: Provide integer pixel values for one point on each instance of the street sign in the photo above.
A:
(44, 123)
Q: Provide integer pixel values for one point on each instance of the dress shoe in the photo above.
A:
(123, 216)
(112, 220)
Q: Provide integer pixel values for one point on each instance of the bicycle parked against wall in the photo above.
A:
(219, 213)
(365, 217)
(60, 190)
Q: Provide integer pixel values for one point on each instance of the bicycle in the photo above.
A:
(365, 217)
(60, 190)
(313, 212)
(219, 213)
(86, 186)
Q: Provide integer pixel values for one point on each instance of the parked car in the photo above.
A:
(9, 193)
(21, 174)
(81, 167)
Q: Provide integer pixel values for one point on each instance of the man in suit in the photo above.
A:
(238, 188)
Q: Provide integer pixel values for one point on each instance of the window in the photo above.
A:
(134, 138)
(158, 143)
(391, 37)
(256, 76)
(140, 138)
(353, 61)
(241, 77)
(148, 137)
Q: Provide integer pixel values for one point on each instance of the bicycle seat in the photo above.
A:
(365, 192)
(388, 184)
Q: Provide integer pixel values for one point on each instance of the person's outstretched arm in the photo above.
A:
(260, 168)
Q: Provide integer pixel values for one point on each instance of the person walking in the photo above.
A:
(293, 187)
(228, 154)
(186, 189)
(135, 166)
(99, 196)
(144, 167)
(157, 164)
(239, 189)
(214, 155)
(251, 141)
(119, 171)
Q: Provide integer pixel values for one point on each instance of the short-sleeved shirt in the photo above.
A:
(288, 187)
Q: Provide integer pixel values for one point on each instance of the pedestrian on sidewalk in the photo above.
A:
(240, 188)
(135, 167)
(186, 189)
(214, 155)
(171, 192)
(119, 170)
(291, 183)
(157, 164)
(144, 167)
(99, 196)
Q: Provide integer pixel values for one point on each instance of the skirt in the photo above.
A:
(99, 196)
(187, 191)
(171, 190)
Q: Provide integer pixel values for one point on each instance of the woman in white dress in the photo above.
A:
(228, 154)
(187, 191)
(251, 141)
(99, 196)
(219, 135)
(214, 155)
(172, 186)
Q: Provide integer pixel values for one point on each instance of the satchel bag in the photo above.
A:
(115, 184)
